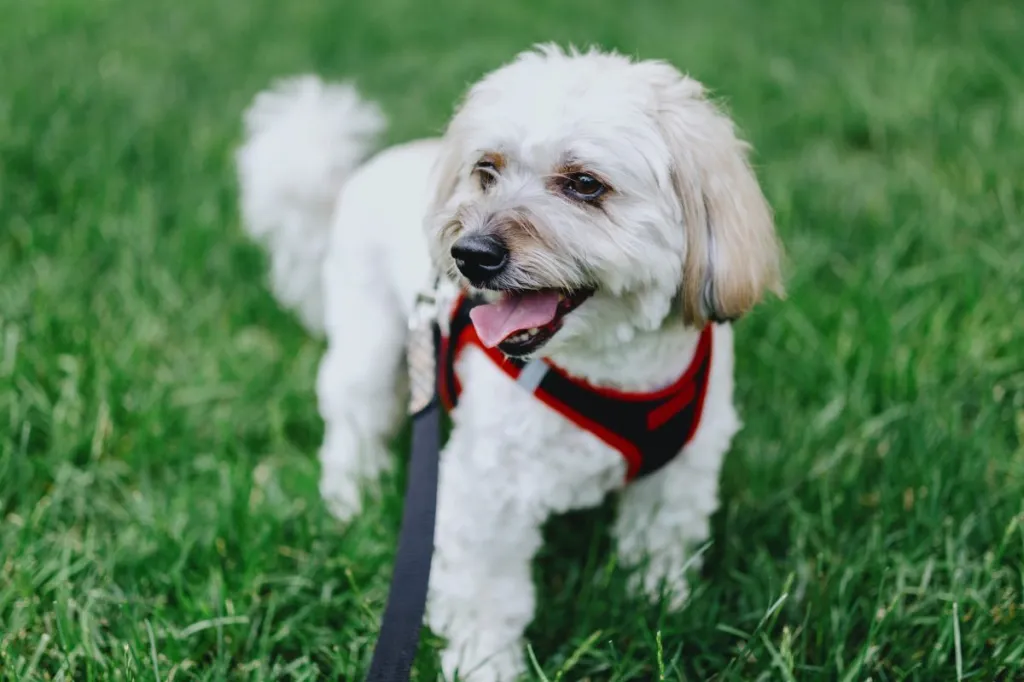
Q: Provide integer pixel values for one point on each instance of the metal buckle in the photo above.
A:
(421, 354)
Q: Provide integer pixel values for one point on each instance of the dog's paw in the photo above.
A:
(661, 583)
(468, 664)
(341, 494)
(350, 467)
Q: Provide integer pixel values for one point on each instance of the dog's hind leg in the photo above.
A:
(358, 385)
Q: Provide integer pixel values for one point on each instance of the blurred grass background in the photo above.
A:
(158, 507)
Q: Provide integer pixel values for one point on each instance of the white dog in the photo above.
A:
(601, 214)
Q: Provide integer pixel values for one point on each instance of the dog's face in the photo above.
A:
(592, 196)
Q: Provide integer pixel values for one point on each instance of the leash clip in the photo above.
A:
(421, 353)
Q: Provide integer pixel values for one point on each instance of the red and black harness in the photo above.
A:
(649, 429)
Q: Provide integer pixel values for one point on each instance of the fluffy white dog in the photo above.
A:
(602, 216)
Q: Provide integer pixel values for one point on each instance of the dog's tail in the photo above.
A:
(303, 138)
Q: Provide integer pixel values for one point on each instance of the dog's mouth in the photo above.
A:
(520, 322)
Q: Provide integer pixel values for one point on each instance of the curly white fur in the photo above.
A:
(685, 236)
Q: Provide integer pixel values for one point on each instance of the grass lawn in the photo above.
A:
(159, 514)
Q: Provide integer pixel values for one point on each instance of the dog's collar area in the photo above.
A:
(648, 429)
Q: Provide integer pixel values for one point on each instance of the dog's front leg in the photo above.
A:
(665, 518)
(662, 521)
(481, 590)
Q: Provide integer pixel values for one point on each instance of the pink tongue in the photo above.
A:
(495, 322)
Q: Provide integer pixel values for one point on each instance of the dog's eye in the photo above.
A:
(584, 187)
(486, 173)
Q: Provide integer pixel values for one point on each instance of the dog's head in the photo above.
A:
(593, 196)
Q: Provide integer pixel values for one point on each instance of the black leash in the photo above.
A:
(403, 616)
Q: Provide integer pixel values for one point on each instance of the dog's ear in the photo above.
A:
(451, 159)
(732, 252)
(445, 176)
(446, 169)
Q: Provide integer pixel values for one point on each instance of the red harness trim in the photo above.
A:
(647, 428)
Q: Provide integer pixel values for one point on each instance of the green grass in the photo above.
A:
(158, 506)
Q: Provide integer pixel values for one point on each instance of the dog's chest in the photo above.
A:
(502, 430)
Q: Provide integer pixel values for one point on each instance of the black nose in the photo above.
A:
(480, 257)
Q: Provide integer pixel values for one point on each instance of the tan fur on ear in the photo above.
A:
(733, 254)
